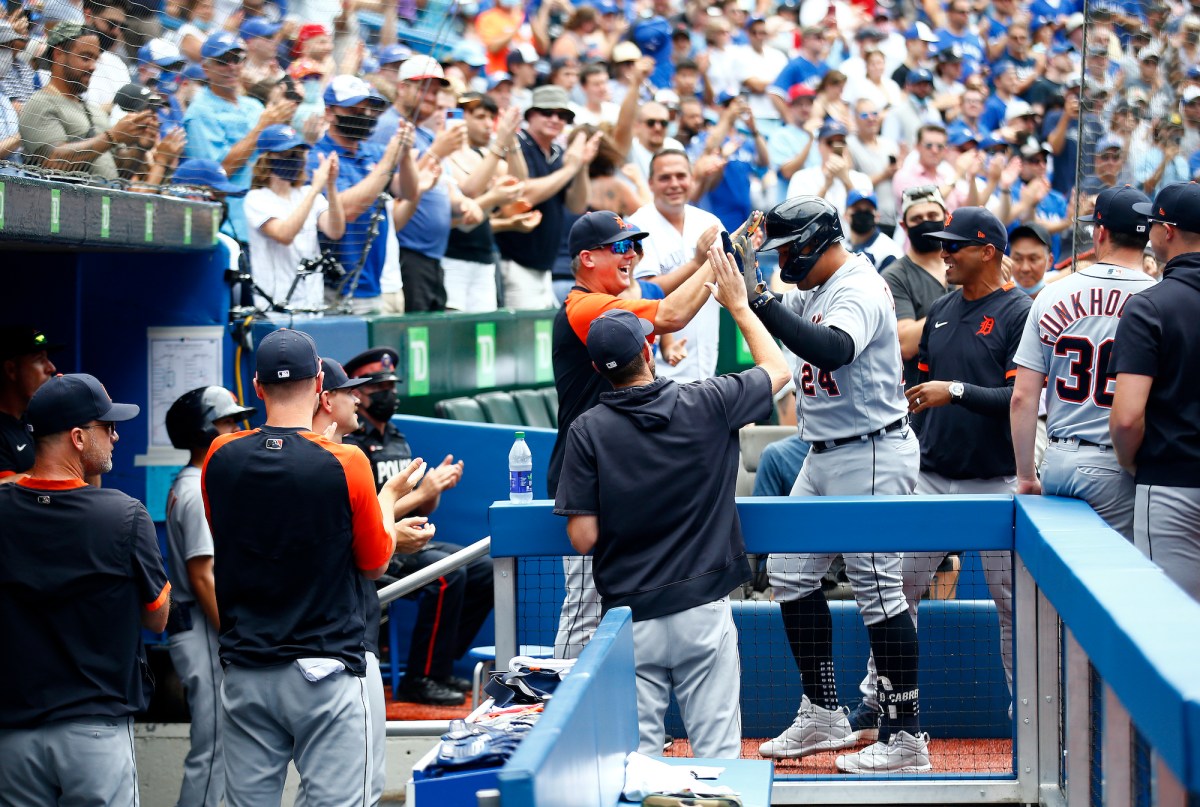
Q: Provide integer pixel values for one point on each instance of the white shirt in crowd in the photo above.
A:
(665, 250)
(273, 264)
(811, 180)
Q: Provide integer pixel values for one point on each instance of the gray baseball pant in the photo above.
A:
(1166, 527)
(694, 653)
(1093, 474)
(271, 715)
(920, 567)
(580, 613)
(194, 654)
(83, 762)
(884, 465)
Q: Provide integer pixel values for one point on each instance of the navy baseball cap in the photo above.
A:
(918, 76)
(206, 174)
(280, 137)
(219, 44)
(856, 196)
(286, 355)
(1031, 230)
(375, 364)
(336, 377)
(259, 27)
(1115, 210)
(597, 229)
(23, 340)
(615, 337)
(1175, 204)
(831, 129)
(976, 225)
(67, 401)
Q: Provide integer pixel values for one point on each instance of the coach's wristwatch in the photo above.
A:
(956, 391)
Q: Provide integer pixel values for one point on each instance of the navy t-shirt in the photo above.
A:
(16, 446)
(78, 566)
(538, 249)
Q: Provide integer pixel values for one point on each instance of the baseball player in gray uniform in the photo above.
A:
(193, 422)
(1066, 346)
(850, 407)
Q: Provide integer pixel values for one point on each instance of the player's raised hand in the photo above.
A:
(412, 534)
(402, 483)
(729, 289)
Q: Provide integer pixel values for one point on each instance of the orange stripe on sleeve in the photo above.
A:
(6, 474)
(583, 307)
(924, 368)
(163, 596)
(1011, 373)
(372, 544)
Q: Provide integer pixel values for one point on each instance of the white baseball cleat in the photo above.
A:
(814, 729)
(904, 753)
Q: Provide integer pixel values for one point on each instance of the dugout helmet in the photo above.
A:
(190, 419)
(804, 220)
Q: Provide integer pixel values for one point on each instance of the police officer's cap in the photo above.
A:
(378, 364)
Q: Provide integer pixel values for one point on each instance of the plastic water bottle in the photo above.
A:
(520, 471)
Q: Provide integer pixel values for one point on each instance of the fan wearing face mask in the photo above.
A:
(284, 213)
(862, 210)
(918, 278)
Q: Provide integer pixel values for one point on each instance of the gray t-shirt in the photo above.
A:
(188, 535)
(50, 119)
(914, 291)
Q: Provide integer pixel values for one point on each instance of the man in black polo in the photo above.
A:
(673, 563)
(295, 523)
(80, 576)
(1156, 407)
(24, 366)
(966, 383)
(451, 609)
(558, 179)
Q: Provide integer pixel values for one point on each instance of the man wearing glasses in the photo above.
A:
(558, 180)
(930, 167)
(222, 124)
(1156, 405)
(80, 576)
(602, 244)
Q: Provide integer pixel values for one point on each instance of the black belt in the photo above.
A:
(819, 446)
(1078, 440)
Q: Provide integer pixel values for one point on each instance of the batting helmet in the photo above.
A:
(804, 220)
(190, 419)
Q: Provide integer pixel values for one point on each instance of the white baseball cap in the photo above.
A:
(422, 68)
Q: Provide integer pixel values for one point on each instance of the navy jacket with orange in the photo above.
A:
(295, 520)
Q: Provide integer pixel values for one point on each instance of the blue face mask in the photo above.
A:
(1034, 289)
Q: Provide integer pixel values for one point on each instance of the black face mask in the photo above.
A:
(919, 236)
(862, 221)
(287, 169)
(355, 126)
(382, 404)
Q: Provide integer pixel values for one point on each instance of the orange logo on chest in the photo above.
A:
(986, 326)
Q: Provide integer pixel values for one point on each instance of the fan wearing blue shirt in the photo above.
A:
(807, 68)
(737, 139)
(958, 31)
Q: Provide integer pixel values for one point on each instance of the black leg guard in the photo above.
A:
(894, 643)
(809, 627)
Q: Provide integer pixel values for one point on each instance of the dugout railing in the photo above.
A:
(1106, 700)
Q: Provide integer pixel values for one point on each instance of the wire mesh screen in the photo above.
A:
(963, 697)
(1096, 736)
(1143, 770)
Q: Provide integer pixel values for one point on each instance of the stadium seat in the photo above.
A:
(499, 407)
(551, 396)
(532, 406)
(465, 409)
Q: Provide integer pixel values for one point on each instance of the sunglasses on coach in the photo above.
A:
(619, 247)
(953, 247)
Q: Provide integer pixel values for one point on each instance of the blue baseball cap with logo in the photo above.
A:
(856, 196)
(349, 91)
(206, 174)
(600, 228)
(161, 53)
(974, 225)
(615, 337)
(280, 137)
(67, 401)
(831, 129)
(286, 355)
(918, 75)
(220, 44)
(1115, 210)
(259, 27)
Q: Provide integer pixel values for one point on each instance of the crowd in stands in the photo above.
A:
(441, 150)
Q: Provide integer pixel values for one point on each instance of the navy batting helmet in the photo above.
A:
(804, 220)
(190, 419)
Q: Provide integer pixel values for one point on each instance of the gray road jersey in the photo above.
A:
(1068, 338)
(187, 531)
(868, 393)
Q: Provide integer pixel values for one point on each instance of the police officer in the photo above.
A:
(295, 522)
(1157, 402)
(450, 610)
(193, 422)
(24, 366)
(80, 576)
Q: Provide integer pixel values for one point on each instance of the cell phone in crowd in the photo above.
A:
(454, 117)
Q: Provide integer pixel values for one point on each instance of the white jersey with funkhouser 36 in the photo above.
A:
(1069, 338)
(868, 393)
